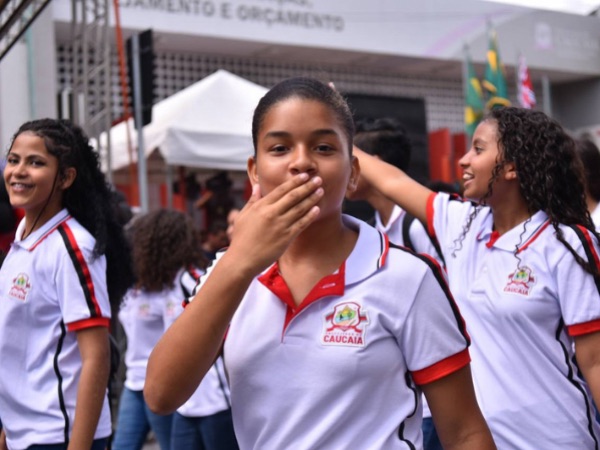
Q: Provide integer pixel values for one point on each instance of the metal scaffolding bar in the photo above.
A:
(15, 17)
(92, 67)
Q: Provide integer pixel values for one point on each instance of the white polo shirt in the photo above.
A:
(421, 242)
(50, 287)
(342, 369)
(522, 312)
(145, 316)
(212, 395)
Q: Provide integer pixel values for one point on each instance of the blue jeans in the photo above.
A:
(135, 420)
(98, 444)
(204, 433)
(431, 441)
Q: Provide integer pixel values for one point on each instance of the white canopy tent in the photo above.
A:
(206, 125)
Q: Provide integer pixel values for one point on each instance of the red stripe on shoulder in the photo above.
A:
(430, 201)
(83, 271)
(442, 368)
(89, 323)
(580, 329)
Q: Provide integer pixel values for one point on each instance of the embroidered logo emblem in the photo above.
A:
(521, 281)
(345, 326)
(20, 287)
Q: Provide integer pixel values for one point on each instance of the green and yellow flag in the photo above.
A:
(494, 80)
(473, 97)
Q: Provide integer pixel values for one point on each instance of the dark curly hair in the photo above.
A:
(164, 241)
(90, 199)
(549, 171)
(307, 89)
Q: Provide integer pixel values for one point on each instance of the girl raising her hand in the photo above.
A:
(523, 265)
(331, 332)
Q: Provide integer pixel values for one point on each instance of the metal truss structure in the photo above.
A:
(15, 17)
(91, 89)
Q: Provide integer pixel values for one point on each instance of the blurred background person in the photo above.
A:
(386, 139)
(215, 239)
(590, 157)
(231, 216)
(216, 200)
(167, 261)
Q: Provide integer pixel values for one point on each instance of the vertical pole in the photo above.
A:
(137, 96)
(547, 95)
(170, 180)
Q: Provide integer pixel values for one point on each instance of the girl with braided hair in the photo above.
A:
(69, 262)
(522, 260)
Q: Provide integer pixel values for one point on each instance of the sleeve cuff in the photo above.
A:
(584, 328)
(442, 368)
(89, 323)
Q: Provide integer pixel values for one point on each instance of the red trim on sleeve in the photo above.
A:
(89, 323)
(580, 329)
(442, 368)
(429, 212)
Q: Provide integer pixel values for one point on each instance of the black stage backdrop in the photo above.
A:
(411, 113)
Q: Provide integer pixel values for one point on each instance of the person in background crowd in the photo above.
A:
(522, 260)
(318, 307)
(70, 259)
(215, 239)
(590, 157)
(386, 139)
(167, 260)
(231, 216)
(216, 200)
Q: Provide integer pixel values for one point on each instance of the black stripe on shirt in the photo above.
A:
(61, 398)
(571, 378)
(409, 383)
(80, 273)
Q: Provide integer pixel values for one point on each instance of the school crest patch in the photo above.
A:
(345, 326)
(20, 288)
(520, 281)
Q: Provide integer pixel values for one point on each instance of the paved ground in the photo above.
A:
(151, 445)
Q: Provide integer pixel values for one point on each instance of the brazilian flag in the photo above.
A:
(473, 98)
(494, 81)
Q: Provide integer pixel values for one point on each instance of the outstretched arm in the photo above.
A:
(460, 427)
(264, 229)
(394, 184)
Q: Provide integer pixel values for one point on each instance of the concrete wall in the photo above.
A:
(577, 105)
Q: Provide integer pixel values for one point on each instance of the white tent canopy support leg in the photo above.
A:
(170, 180)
